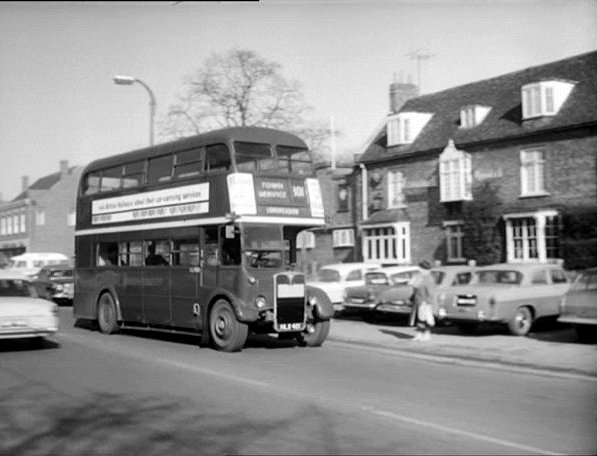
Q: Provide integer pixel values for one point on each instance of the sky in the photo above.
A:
(58, 100)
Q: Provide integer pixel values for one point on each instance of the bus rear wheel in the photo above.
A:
(106, 314)
(320, 332)
(226, 332)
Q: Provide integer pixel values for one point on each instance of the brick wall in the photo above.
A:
(570, 180)
(56, 203)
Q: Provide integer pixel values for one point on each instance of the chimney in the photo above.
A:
(24, 183)
(63, 168)
(400, 93)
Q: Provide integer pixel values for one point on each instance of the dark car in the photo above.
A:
(579, 306)
(57, 281)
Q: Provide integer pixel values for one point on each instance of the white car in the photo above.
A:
(22, 313)
(335, 278)
(30, 263)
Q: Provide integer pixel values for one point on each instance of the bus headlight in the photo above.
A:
(260, 302)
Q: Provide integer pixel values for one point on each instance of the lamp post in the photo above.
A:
(129, 80)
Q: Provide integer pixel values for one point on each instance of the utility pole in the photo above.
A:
(419, 56)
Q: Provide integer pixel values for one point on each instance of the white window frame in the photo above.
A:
(404, 127)
(526, 236)
(532, 172)
(473, 115)
(395, 189)
(3, 226)
(544, 98)
(387, 243)
(343, 238)
(305, 240)
(454, 233)
(23, 223)
(71, 218)
(455, 174)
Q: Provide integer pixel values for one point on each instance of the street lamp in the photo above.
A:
(129, 80)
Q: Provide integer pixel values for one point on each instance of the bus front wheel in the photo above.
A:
(226, 332)
(106, 314)
(315, 338)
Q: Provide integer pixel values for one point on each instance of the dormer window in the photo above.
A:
(544, 98)
(403, 128)
(455, 175)
(473, 115)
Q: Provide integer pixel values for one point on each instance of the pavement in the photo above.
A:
(550, 348)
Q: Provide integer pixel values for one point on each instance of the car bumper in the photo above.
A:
(478, 316)
(395, 308)
(570, 319)
(16, 328)
(359, 306)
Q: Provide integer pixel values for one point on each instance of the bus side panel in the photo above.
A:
(84, 300)
(130, 294)
(156, 299)
(184, 289)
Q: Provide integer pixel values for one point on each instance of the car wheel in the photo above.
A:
(321, 330)
(226, 332)
(106, 314)
(521, 322)
(468, 328)
(586, 333)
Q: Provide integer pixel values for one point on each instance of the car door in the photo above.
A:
(543, 294)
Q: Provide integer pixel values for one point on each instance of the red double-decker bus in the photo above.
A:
(200, 236)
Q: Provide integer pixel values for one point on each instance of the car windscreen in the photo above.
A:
(402, 278)
(328, 275)
(16, 288)
(376, 278)
(61, 273)
(499, 277)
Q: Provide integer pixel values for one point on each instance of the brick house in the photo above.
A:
(42, 217)
(503, 169)
(335, 242)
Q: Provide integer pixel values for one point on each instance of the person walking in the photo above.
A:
(422, 302)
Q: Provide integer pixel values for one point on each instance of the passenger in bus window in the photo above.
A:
(153, 259)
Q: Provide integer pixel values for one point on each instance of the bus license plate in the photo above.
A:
(290, 326)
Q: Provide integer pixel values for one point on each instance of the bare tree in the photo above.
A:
(240, 88)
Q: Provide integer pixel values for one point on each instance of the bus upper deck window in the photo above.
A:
(217, 158)
(159, 169)
(111, 178)
(253, 156)
(91, 184)
(294, 160)
(133, 174)
(188, 163)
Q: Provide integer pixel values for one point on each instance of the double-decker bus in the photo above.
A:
(199, 236)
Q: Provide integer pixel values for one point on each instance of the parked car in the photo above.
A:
(384, 289)
(22, 313)
(30, 263)
(396, 298)
(334, 278)
(512, 294)
(60, 281)
(579, 306)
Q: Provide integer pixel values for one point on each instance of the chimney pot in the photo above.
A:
(63, 167)
(400, 93)
(24, 183)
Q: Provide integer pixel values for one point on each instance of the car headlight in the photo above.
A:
(312, 301)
